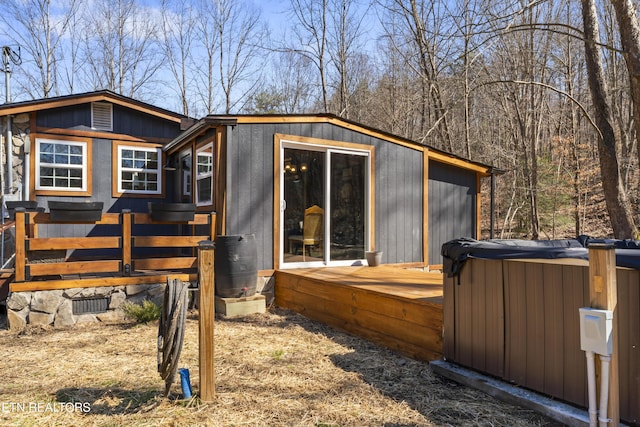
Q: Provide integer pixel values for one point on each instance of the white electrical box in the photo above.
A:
(595, 330)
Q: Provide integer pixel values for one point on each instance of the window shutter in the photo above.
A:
(102, 116)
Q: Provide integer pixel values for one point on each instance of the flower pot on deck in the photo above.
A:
(75, 211)
(172, 212)
(374, 258)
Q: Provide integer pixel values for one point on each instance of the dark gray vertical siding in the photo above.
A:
(398, 195)
(131, 122)
(126, 121)
(101, 191)
(452, 206)
(398, 185)
(250, 190)
(65, 117)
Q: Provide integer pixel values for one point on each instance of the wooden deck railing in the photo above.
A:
(125, 242)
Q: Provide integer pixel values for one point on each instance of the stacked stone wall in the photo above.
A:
(56, 307)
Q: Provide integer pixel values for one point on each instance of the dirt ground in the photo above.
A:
(274, 369)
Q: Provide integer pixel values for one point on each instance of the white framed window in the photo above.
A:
(102, 116)
(139, 170)
(204, 175)
(61, 165)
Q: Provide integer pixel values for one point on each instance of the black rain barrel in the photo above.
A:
(236, 266)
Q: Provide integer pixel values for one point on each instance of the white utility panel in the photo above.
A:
(595, 330)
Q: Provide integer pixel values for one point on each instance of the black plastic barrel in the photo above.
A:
(236, 266)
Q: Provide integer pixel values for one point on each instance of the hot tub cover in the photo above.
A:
(455, 252)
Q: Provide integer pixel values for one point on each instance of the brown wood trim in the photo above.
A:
(62, 268)
(145, 218)
(454, 161)
(323, 142)
(372, 197)
(478, 206)
(331, 120)
(100, 281)
(277, 174)
(53, 243)
(21, 250)
(165, 263)
(101, 135)
(168, 241)
(114, 170)
(214, 141)
(198, 219)
(32, 158)
(425, 207)
(220, 184)
(69, 193)
(126, 239)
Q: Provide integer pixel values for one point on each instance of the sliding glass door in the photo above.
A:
(324, 214)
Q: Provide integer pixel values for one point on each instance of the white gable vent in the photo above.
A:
(102, 116)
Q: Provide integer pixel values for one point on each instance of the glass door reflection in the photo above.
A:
(304, 195)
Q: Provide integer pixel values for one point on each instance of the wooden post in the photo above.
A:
(21, 251)
(127, 265)
(206, 305)
(603, 294)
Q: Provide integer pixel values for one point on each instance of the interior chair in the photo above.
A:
(311, 230)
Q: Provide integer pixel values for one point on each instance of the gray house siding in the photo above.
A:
(452, 206)
(126, 121)
(101, 191)
(398, 187)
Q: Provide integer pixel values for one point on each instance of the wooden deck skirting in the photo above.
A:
(393, 307)
(124, 270)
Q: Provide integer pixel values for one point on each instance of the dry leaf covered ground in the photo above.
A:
(276, 369)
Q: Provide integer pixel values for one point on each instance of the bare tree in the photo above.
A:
(120, 48)
(629, 31)
(177, 36)
(422, 27)
(38, 27)
(240, 31)
(229, 34)
(310, 32)
(617, 204)
(286, 91)
(344, 47)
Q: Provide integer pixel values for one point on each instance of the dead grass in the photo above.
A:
(277, 369)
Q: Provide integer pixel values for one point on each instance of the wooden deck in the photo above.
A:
(397, 308)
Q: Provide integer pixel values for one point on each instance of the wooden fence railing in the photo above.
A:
(126, 264)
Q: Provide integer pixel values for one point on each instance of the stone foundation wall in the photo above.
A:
(55, 307)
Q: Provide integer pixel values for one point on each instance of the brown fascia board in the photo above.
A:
(88, 97)
(198, 128)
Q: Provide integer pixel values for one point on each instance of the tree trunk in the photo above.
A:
(615, 197)
(627, 17)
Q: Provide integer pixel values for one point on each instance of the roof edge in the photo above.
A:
(87, 97)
